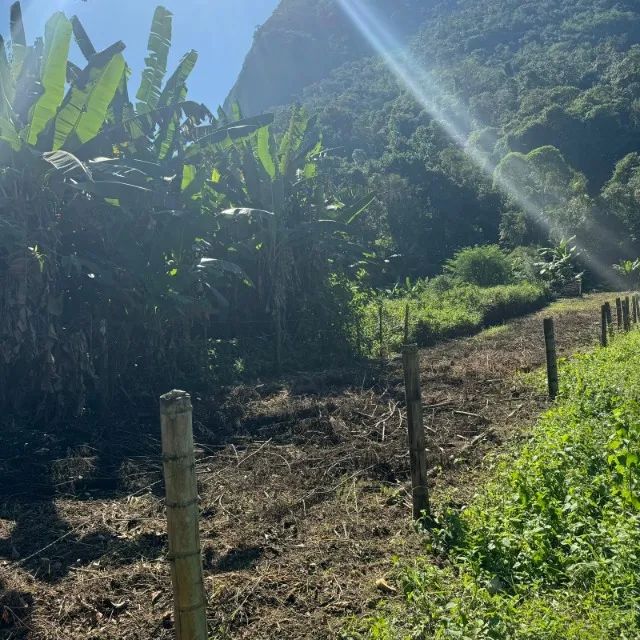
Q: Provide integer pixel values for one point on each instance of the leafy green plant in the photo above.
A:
(107, 265)
(485, 266)
(559, 264)
(630, 271)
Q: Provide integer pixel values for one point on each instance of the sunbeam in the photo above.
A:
(426, 91)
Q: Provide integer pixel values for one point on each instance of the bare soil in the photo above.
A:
(303, 486)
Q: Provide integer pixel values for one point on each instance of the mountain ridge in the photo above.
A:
(303, 42)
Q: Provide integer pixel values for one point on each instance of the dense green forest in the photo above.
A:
(546, 91)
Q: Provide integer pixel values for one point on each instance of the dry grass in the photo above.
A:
(303, 492)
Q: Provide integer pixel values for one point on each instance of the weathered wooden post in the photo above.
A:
(634, 305)
(181, 490)
(609, 318)
(619, 313)
(406, 325)
(626, 315)
(604, 335)
(417, 451)
(552, 358)
(381, 329)
(103, 367)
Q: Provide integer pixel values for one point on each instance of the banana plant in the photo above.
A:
(92, 211)
(37, 109)
(629, 270)
(285, 231)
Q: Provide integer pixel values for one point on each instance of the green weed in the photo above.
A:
(549, 550)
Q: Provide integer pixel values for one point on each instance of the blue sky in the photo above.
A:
(220, 30)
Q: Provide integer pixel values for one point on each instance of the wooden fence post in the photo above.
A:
(381, 329)
(103, 367)
(626, 315)
(634, 304)
(406, 325)
(182, 516)
(417, 451)
(619, 313)
(609, 318)
(552, 358)
(604, 336)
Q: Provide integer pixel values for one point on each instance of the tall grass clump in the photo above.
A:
(549, 549)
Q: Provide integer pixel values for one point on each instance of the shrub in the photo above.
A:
(443, 283)
(525, 264)
(485, 266)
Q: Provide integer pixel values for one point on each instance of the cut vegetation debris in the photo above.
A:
(304, 500)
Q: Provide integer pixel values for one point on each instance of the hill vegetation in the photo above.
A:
(302, 43)
(546, 92)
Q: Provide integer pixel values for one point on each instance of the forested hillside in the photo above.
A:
(556, 85)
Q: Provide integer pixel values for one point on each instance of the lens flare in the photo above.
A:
(422, 85)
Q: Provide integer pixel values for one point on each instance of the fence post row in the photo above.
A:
(417, 450)
(178, 460)
(552, 358)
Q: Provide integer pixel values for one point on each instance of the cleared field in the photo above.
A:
(303, 485)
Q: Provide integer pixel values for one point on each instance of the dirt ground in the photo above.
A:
(303, 486)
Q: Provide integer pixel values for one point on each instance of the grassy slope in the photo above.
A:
(460, 311)
(549, 548)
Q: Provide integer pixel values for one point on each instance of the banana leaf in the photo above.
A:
(266, 151)
(28, 88)
(175, 91)
(68, 164)
(53, 75)
(84, 110)
(83, 40)
(73, 72)
(6, 89)
(159, 45)
(18, 41)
